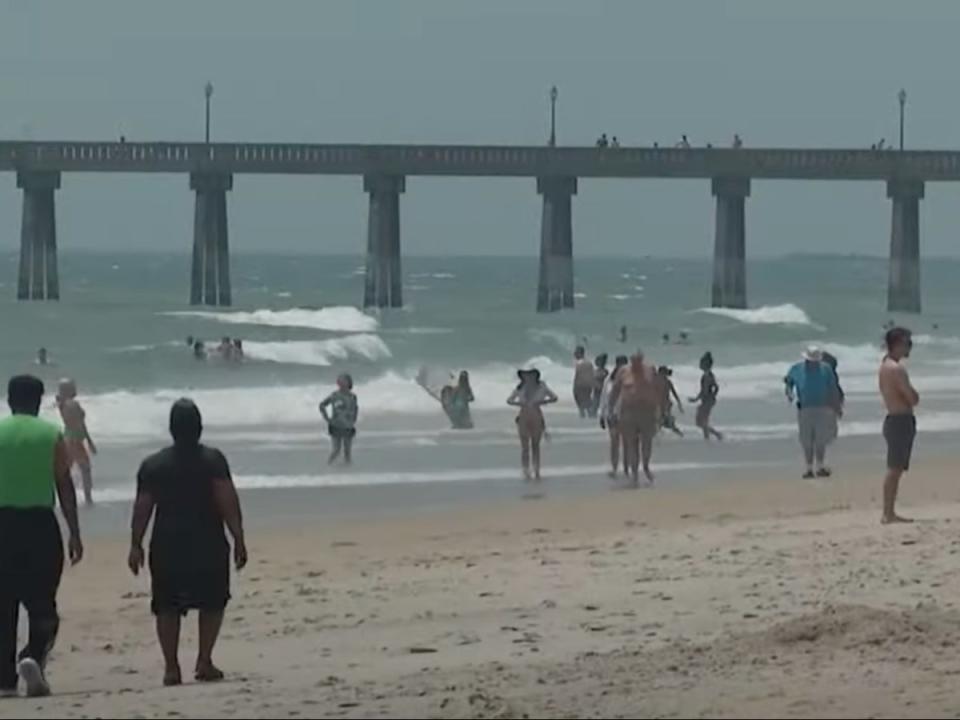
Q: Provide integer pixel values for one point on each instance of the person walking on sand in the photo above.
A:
(530, 396)
(900, 425)
(76, 435)
(812, 384)
(582, 381)
(709, 389)
(340, 411)
(34, 468)
(635, 390)
(609, 415)
(188, 491)
(600, 375)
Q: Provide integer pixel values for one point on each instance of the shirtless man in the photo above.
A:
(583, 381)
(76, 435)
(900, 425)
(637, 394)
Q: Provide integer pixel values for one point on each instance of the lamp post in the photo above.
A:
(902, 97)
(553, 116)
(208, 93)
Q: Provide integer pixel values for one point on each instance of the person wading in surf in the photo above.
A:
(530, 396)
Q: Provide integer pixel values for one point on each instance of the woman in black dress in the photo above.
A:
(190, 488)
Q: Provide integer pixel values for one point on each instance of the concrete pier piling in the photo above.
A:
(903, 289)
(729, 253)
(383, 287)
(38, 278)
(210, 272)
(555, 286)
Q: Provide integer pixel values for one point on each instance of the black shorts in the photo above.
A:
(342, 433)
(899, 431)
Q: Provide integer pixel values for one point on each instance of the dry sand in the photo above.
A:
(762, 597)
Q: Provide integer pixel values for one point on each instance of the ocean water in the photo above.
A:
(120, 332)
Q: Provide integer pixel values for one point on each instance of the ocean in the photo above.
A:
(120, 332)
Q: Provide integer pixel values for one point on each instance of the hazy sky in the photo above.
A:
(781, 73)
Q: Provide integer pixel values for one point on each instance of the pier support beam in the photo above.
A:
(384, 280)
(555, 287)
(729, 252)
(903, 290)
(38, 278)
(210, 273)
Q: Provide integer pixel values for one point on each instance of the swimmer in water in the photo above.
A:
(199, 351)
(530, 396)
(668, 393)
(609, 415)
(341, 418)
(623, 333)
(76, 435)
(635, 390)
(456, 399)
(237, 349)
(707, 397)
(600, 374)
(582, 381)
(42, 357)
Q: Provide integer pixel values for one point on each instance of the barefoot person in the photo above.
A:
(600, 375)
(76, 435)
(530, 396)
(636, 392)
(583, 381)
(668, 393)
(188, 490)
(609, 415)
(900, 425)
(34, 468)
(340, 411)
(812, 384)
(707, 397)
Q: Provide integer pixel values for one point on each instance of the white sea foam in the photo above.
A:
(319, 352)
(333, 319)
(344, 479)
(126, 415)
(786, 314)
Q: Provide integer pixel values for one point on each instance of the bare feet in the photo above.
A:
(172, 677)
(612, 474)
(893, 519)
(649, 476)
(208, 672)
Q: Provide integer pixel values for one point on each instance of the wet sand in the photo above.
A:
(744, 597)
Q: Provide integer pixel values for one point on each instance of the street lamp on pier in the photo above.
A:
(902, 97)
(553, 116)
(208, 93)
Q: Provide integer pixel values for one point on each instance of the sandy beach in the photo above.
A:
(742, 598)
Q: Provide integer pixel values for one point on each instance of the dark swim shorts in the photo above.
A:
(341, 432)
(899, 431)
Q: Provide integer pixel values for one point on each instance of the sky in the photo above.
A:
(818, 73)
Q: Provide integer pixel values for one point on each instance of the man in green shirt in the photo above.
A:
(34, 468)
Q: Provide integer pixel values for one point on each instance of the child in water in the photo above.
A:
(340, 411)
(76, 435)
